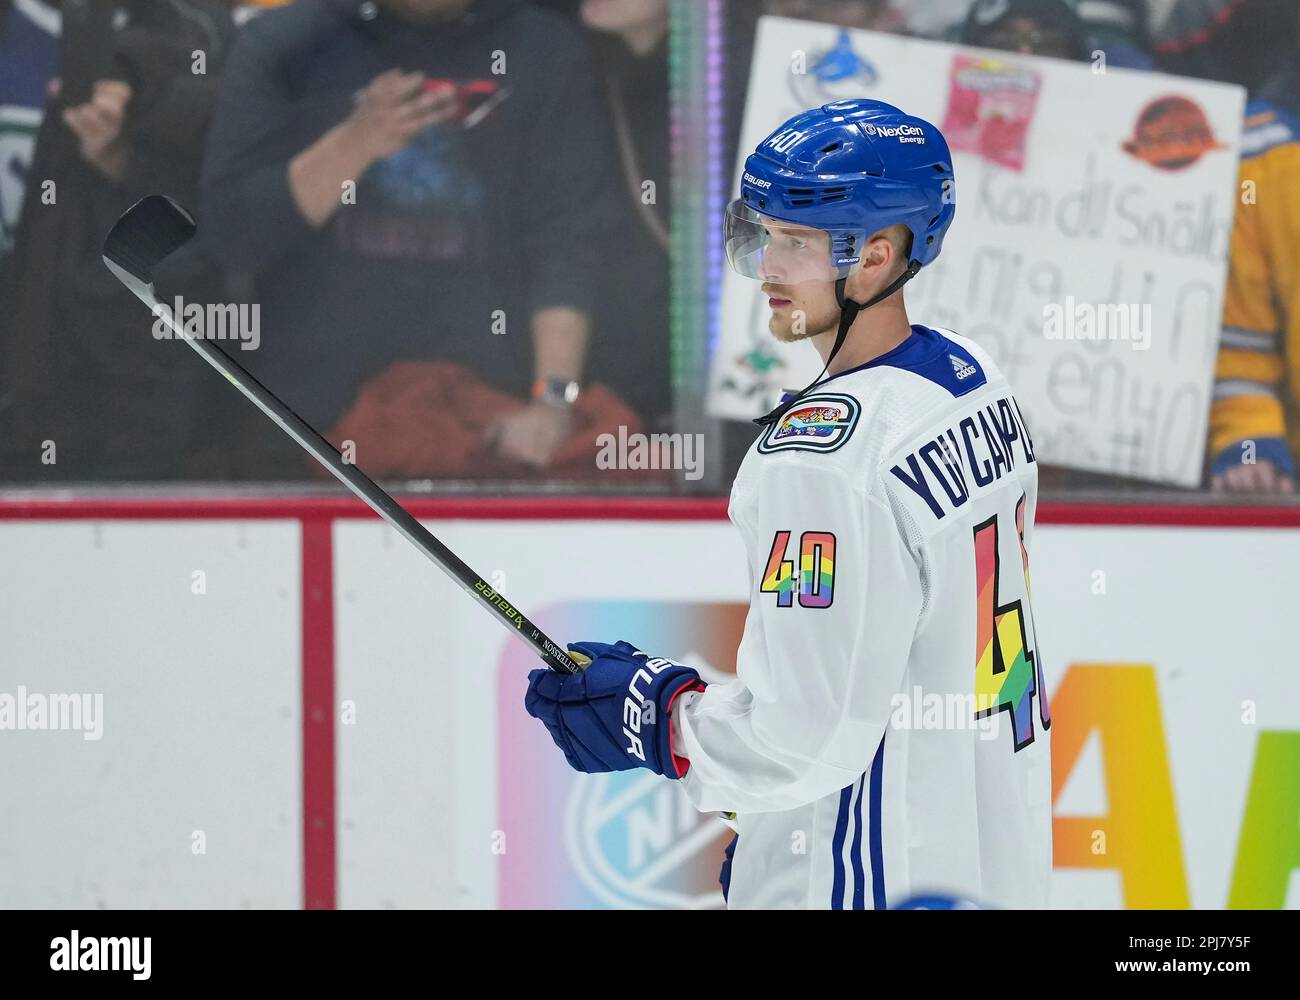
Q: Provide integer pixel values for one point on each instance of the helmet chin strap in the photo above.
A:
(849, 311)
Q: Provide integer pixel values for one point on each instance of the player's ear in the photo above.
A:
(877, 255)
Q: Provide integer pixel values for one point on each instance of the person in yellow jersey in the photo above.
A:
(1255, 416)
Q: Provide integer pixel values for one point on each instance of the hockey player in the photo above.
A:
(886, 732)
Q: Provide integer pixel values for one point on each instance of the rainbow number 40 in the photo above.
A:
(1007, 673)
(816, 577)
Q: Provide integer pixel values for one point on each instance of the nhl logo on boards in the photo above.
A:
(821, 422)
(635, 841)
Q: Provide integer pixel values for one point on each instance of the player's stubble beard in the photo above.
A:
(802, 319)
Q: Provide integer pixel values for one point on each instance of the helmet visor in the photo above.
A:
(783, 253)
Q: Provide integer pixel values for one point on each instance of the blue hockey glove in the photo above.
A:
(613, 716)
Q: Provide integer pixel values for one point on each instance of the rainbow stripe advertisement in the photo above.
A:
(1188, 799)
(1138, 836)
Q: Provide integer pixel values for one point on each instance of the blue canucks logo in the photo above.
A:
(834, 74)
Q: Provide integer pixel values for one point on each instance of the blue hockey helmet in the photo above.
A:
(847, 170)
(850, 169)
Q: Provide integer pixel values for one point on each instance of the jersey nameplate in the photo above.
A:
(821, 422)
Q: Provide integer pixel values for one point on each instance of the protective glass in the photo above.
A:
(771, 250)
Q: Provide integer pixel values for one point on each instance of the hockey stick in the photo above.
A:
(155, 227)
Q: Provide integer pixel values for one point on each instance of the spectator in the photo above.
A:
(79, 366)
(873, 15)
(1233, 41)
(1030, 27)
(1121, 30)
(473, 133)
(631, 349)
(938, 19)
(1255, 416)
(1066, 29)
(29, 58)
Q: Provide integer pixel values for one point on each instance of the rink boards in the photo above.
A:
(297, 709)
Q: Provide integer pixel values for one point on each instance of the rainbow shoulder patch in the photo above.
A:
(821, 422)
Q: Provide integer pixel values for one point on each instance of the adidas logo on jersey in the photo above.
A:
(963, 368)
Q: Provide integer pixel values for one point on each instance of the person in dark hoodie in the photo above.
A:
(414, 179)
(86, 394)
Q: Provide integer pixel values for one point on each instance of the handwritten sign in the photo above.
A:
(1089, 252)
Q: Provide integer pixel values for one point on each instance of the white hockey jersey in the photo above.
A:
(886, 735)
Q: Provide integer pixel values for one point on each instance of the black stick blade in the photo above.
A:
(148, 231)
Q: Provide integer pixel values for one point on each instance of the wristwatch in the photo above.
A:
(557, 391)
